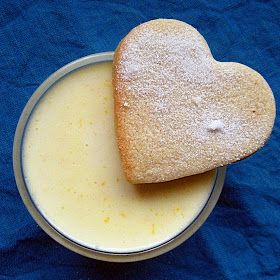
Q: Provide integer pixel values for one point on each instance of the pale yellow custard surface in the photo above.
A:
(72, 169)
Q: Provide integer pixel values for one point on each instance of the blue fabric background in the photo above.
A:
(241, 238)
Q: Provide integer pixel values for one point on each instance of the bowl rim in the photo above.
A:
(60, 236)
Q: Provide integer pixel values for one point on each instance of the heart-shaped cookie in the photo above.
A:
(180, 112)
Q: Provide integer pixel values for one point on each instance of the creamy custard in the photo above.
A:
(72, 169)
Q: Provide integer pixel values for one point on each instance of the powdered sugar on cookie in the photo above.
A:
(187, 112)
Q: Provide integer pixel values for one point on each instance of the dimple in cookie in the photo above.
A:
(179, 112)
